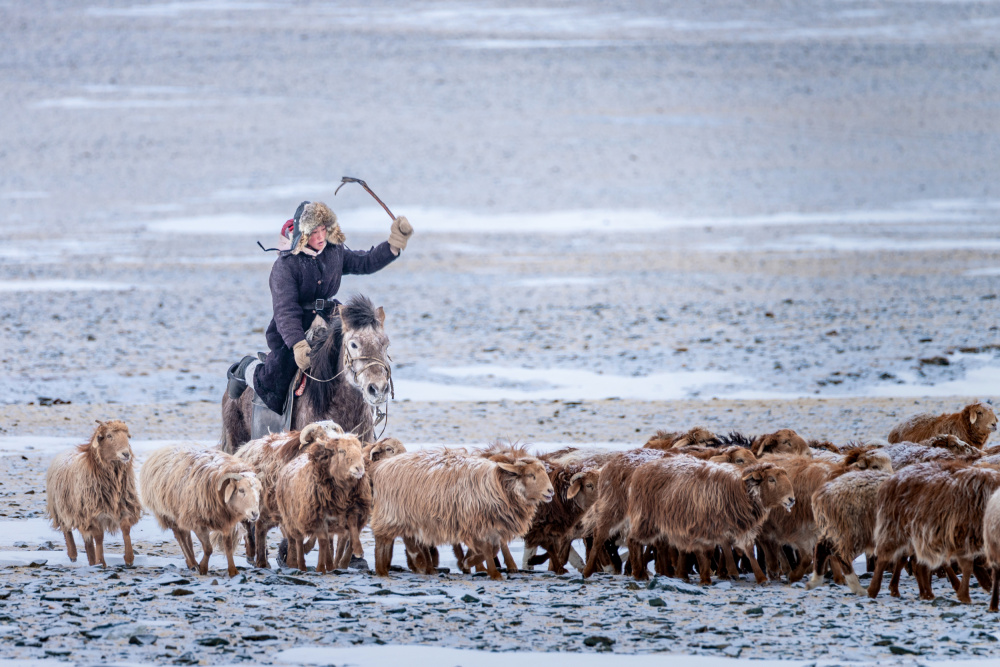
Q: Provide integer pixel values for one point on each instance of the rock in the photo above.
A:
(170, 579)
(657, 602)
(358, 564)
(754, 611)
(598, 640)
(286, 580)
(469, 598)
(142, 640)
(213, 641)
(180, 591)
(61, 597)
(675, 586)
(902, 650)
(259, 637)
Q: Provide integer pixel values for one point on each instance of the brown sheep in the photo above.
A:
(991, 544)
(451, 496)
(973, 425)
(937, 448)
(845, 509)
(933, 511)
(696, 505)
(696, 436)
(783, 441)
(575, 486)
(321, 494)
(267, 456)
(202, 491)
(92, 488)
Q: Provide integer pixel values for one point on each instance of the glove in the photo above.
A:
(301, 351)
(400, 233)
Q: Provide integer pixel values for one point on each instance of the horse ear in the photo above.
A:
(380, 314)
(341, 310)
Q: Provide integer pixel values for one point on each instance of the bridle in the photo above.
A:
(378, 416)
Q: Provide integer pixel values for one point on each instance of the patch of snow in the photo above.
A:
(557, 281)
(24, 194)
(530, 384)
(827, 242)
(440, 220)
(494, 44)
(986, 271)
(63, 286)
(984, 381)
(392, 656)
(102, 103)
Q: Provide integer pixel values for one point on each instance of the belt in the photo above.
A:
(320, 305)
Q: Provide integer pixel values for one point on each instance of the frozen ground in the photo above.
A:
(629, 216)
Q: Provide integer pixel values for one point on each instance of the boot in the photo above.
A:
(237, 377)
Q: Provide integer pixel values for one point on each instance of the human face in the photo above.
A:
(317, 240)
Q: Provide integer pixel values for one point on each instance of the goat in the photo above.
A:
(973, 424)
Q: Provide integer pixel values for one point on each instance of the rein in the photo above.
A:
(377, 415)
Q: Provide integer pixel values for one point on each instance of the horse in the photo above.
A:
(349, 378)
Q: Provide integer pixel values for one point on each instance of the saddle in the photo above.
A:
(263, 420)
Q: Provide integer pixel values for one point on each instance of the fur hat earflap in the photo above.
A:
(310, 216)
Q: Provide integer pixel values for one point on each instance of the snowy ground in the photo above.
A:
(629, 216)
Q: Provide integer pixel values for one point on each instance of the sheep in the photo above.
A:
(973, 424)
(575, 486)
(92, 488)
(991, 544)
(267, 456)
(451, 496)
(782, 441)
(607, 517)
(321, 494)
(696, 505)
(936, 448)
(696, 436)
(935, 512)
(798, 528)
(844, 509)
(202, 491)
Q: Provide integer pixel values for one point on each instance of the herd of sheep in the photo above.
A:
(776, 505)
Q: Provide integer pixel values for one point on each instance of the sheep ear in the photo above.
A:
(721, 458)
(972, 416)
(230, 490)
(575, 485)
(380, 315)
(861, 464)
(510, 467)
(753, 477)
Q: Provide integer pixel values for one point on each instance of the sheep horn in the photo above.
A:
(228, 476)
(309, 434)
(577, 476)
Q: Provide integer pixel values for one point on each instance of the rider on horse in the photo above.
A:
(304, 280)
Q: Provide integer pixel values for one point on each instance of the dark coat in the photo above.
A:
(298, 280)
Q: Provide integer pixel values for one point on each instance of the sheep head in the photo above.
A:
(110, 442)
(385, 448)
(582, 488)
(981, 417)
(311, 432)
(241, 492)
(783, 441)
(738, 456)
(867, 458)
(697, 436)
(952, 443)
(530, 479)
(771, 484)
(347, 460)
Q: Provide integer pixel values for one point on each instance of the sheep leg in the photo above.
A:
(771, 558)
(508, 559)
(460, 556)
(229, 546)
(127, 539)
(923, 575)
(822, 553)
(491, 565)
(529, 553)
(324, 554)
(876, 582)
(342, 557)
(637, 560)
(99, 547)
(982, 575)
(897, 569)
(70, 545)
(206, 546)
(995, 591)
(805, 562)
(850, 577)
(261, 529)
(251, 539)
(837, 572)
(732, 571)
(600, 537)
(963, 592)
(610, 558)
(383, 555)
(704, 566)
(88, 546)
(952, 577)
(757, 572)
(179, 535)
(560, 555)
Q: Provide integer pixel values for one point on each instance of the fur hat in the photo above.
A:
(308, 217)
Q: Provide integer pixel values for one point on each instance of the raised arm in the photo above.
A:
(285, 290)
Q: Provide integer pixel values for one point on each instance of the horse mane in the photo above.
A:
(325, 351)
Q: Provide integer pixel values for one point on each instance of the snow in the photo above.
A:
(548, 383)
(392, 656)
(444, 220)
(557, 281)
(63, 286)
(827, 242)
(986, 271)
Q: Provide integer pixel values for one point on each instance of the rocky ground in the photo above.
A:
(628, 217)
